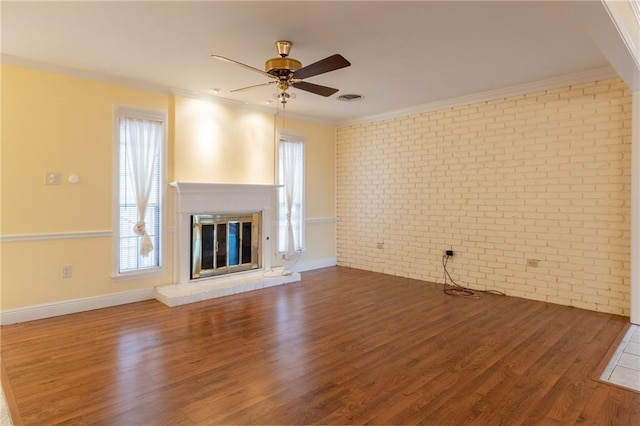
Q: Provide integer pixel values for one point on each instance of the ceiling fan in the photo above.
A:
(288, 72)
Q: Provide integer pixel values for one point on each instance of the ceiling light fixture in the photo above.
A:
(283, 96)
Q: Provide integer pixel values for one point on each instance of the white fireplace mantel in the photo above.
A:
(202, 197)
(219, 198)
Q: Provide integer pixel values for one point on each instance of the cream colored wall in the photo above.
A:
(320, 207)
(543, 176)
(1, 204)
(320, 166)
(64, 124)
(52, 122)
(219, 143)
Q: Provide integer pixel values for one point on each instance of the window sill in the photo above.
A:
(136, 275)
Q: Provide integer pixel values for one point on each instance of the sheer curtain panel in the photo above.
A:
(291, 159)
(143, 141)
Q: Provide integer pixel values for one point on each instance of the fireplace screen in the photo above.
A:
(222, 244)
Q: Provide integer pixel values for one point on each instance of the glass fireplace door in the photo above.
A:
(223, 244)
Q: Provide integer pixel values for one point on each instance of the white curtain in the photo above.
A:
(143, 141)
(291, 157)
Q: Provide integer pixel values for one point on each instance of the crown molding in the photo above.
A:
(150, 87)
(84, 74)
(625, 16)
(506, 92)
(191, 94)
(635, 6)
(517, 90)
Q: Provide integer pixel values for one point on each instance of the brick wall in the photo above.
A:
(541, 176)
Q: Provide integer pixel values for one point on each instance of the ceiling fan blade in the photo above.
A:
(315, 88)
(331, 63)
(249, 67)
(254, 86)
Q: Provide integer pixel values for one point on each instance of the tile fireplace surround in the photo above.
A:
(199, 198)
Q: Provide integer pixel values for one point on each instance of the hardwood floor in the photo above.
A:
(342, 346)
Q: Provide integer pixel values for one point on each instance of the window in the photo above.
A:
(139, 190)
(291, 194)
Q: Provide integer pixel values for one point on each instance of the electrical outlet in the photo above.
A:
(52, 178)
(67, 271)
(534, 263)
(449, 253)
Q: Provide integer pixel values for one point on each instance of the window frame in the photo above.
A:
(120, 111)
(287, 136)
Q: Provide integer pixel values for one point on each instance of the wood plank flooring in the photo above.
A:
(342, 346)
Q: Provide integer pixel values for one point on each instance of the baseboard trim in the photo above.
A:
(313, 264)
(54, 309)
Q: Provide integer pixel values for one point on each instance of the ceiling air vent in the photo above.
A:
(349, 97)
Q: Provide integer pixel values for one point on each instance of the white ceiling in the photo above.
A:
(403, 54)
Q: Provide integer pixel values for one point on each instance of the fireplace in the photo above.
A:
(225, 243)
(211, 218)
(232, 250)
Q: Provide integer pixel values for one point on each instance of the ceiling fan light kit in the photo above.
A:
(288, 72)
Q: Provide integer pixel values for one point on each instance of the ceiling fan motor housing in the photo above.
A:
(282, 66)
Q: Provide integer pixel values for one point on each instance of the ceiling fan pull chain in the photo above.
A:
(284, 114)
